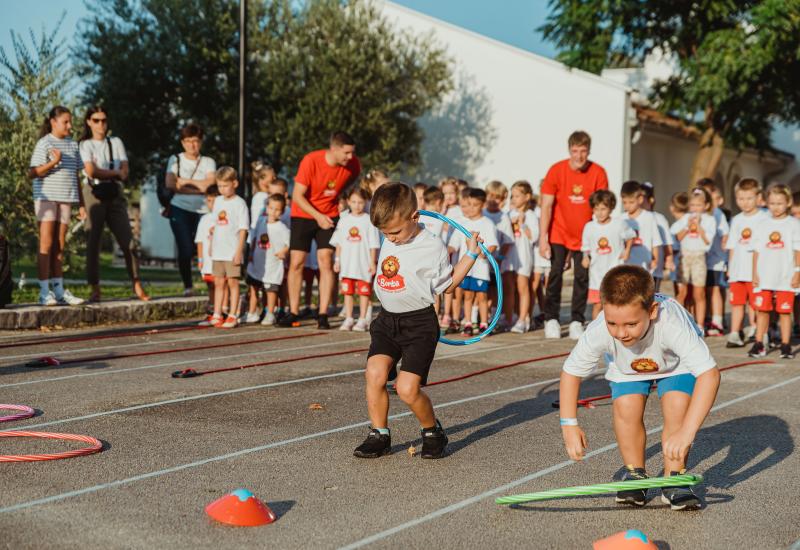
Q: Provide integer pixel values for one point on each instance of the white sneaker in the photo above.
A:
(269, 319)
(552, 329)
(734, 340)
(749, 332)
(48, 299)
(347, 324)
(361, 325)
(67, 299)
(520, 327)
(251, 318)
(575, 330)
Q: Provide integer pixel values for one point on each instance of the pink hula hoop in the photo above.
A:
(95, 446)
(27, 412)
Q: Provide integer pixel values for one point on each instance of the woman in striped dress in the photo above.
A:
(55, 166)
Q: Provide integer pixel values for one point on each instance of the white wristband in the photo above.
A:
(797, 269)
(569, 421)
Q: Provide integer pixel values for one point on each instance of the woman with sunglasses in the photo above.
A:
(106, 166)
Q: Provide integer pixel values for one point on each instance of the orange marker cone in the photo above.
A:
(241, 508)
(632, 539)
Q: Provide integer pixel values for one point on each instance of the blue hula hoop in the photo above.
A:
(498, 278)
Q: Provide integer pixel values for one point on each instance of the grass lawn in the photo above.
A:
(27, 265)
(30, 294)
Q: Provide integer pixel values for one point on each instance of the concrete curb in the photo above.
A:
(112, 311)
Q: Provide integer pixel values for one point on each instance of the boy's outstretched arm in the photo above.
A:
(574, 438)
(463, 266)
(705, 392)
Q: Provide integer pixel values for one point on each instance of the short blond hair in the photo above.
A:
(780, 189)
(497, 188)
(747, 184)
(392, 200)
(226, 173)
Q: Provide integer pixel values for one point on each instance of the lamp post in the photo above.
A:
(245, 189)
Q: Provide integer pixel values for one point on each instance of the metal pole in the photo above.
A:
(244, 189)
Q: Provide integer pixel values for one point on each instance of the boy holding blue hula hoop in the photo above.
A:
(649, 339)
(413, 267)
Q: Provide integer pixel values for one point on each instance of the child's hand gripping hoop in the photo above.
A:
(497, 277)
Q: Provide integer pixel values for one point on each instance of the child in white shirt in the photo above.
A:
(496, 197)
(519, 261)
(357, 243)
(716, 260)
(452, 302)
(269, 248)
(666, 261)
(606, 243)
(202, 239)
(776, 268)
(263, 176)
(647, 243)
(231, 222)
(678, 208)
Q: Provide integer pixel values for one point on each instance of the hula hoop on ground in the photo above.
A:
(95, 446)
(498, 278)
(27, 412)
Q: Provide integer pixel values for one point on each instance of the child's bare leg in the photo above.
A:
(377, 374)
(762, 324)
(272, 301)
(717, 303)
(523, 288)
(483, 307)
(785, 322)
(210, 294)
(410, 391)
(363, 306)
(469, 298)
(751, 315)
(737, 318)
(219, 294)
(252, 294)
(458, 296)
(225, 293)
(233, 287)
(629, 428)
(681, 293)
(699, 296)
(674, 405)
(448, 304)
(348, 306)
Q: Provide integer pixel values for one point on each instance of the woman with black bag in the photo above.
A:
(105, 164)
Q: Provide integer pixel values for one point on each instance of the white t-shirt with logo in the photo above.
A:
(257, 205)
(520, 258)
(266, 240)
(197, 169)
(666, 239)
(692, 241)
(505, 236)
(604, 242)
(434, 225)
(96, 152)
(411, 274)
(230, 217)
(357, 237)
(673, 345)
(776, 241)
(647, 237)
(717, 257)
(203, 236)
(487, 232)
(740, 240)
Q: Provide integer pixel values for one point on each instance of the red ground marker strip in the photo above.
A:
(499, 367)
(27, 412)
(95, 446)
(164, 352)
(191, 373)
(68, 339)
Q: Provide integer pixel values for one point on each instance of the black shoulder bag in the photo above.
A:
(105, 190)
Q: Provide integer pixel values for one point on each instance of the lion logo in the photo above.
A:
(222, 218)
(354, 235)
(644, 365)
(577, 194)
(775, 240)
(693, 227)
(390, 267)
(747, 233)
(263, 241)
(331, 184)
(390, 279)
(577, 189)
(515, 226)
(603, 246)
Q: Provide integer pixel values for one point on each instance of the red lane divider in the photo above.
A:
(191, 373)
(51, 361)
(491, 369)
(95, 446)
(589, 402)
(67, 339)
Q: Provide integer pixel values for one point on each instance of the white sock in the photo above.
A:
(58, 286)
(44, 287)
(717, 320)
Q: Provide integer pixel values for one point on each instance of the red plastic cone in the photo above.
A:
(242, 508)
(632, 539)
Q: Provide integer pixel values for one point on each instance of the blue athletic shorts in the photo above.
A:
(679, 382)
(476, 285)
(716, 278)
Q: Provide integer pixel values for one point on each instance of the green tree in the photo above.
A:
(328, 65)
(737, 62)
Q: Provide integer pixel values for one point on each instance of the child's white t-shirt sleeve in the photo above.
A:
(656, 232)
(442, 278)
(585, 247)
(336, 238)
(532, 223)
(796, 238)
(588, 353)
(455, 239)
(682, 338)
(373, 237)
(490, 238)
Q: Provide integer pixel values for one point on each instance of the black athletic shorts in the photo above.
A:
(410, 336)
(304, 230)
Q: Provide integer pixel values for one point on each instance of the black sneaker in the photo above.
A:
(289, 320)
(322, 322)
(635, 497)
(757, 350)
(434, 442)
(375, 445)
(786, 351)
(680, 498)
(453, 327)
(468, 330)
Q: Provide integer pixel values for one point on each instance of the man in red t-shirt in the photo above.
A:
(565, 211)
(322, 176)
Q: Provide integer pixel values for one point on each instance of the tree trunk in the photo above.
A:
(709, 154)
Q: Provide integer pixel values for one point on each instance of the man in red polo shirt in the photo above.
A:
(565, 211)
(320, 179)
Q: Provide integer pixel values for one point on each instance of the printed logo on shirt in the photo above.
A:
(775, 241)
(746, 234)
(644, 365)
(222, 218)
(353, 235)
(602, 246)
(330, 189)
(390, 280)
(263, 241)
(516, 227)
(693, 226)
(577, 194)
(637, 240)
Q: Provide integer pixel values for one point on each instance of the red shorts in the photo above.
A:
(741, 293)
(784, 300)
(594, 296)
(208, 278)
(354, 286)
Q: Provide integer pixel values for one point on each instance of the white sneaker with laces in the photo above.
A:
(575, 330)
(67, 299)
(269, 319)
(361, 325)
(520, 327)
(251, 318)
(347, 324)
(552, 329)
(48, 299)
